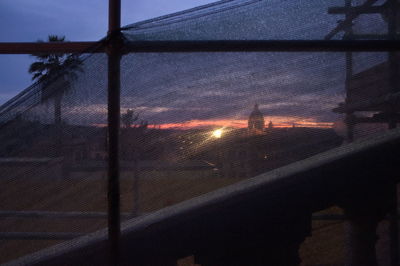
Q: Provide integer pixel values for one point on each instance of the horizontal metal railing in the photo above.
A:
(208, 46)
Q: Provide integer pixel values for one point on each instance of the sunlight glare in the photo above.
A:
(217, 133)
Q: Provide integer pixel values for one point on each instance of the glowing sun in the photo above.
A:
(217, 133)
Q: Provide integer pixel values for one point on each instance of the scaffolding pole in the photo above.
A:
(207, 46)
(394, 70)
(114, 67)
(349, 73)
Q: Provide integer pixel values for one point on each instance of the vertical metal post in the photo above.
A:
(114, 58)
(392, 30)
(114, 16)
(394, 70)
(349, 74)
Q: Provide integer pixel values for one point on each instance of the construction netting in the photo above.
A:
(190, 122)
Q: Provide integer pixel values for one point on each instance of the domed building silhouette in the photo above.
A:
(256, 123)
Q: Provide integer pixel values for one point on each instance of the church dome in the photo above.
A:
(256, 113)
(256, 121)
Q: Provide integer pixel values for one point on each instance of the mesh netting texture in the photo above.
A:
(190, 122)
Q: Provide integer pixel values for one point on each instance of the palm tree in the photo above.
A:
(55, 72)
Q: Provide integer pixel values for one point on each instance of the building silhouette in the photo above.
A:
(256, 123)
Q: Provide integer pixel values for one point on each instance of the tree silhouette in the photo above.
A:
(128, 118)
(133, 145)
(55, 73)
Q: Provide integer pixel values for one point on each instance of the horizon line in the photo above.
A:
(232, 123)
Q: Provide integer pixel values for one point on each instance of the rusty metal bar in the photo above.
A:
(220, 46)
(348, 35)
(113, 152)
(38, 47)
(114, 69)
(114, 16)
(263, 46)
(394, 82)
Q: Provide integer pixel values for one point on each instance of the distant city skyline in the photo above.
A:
(278, 122)
(284, 122)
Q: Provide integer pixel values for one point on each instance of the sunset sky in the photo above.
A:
(280, 122)
(185, 90)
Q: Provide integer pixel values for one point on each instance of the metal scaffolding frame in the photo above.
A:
(115, 47)
(390, 8)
